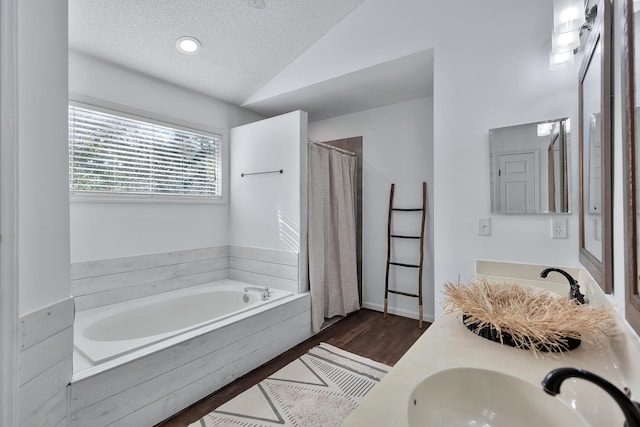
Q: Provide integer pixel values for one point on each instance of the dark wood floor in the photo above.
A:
(365, 333)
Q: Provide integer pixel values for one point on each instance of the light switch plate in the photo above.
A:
(559, 228)
(484, 226)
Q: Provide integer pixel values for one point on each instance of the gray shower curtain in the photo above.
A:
(333, 276)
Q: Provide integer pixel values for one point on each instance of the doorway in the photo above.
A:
(517, 182)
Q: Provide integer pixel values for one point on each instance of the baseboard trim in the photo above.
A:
(398, 311)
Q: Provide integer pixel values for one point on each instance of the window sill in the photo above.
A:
(98, 197)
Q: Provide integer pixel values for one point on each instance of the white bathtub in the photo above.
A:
(108, 332)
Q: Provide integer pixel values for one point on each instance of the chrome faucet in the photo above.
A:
(265, 293)
(574, 291)
(631, 409)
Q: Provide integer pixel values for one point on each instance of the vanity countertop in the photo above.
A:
(448, 344)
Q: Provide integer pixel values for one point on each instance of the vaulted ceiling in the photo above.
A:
(243, 48)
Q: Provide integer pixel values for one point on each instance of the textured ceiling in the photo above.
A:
(242, 47)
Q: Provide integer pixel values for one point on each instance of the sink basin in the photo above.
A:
(479, 397)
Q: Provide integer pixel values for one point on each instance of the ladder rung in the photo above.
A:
(405, 265)
(406, 294)
(399, 236)
(407, 210)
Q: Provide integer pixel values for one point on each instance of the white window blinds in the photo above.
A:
(115, 154)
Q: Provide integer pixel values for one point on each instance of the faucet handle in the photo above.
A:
(575, 293)
(265, 292)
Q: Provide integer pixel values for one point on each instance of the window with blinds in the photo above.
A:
(109, 153)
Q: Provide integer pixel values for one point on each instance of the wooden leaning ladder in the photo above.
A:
(390, 236)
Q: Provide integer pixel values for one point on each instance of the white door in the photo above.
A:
(517, 182)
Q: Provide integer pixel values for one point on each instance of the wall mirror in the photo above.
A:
(529, 167)
(595, 98)
(630, 109)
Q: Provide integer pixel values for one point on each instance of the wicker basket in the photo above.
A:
(491, 333)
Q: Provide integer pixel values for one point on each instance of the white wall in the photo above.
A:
(491, 70)
(397, 148)
(509, 58)
(111, 230)
(44, 338)
(43, 208)
(265, 211)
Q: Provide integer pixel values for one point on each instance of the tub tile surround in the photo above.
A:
(448, 344)
(265, 267)
(103, 282)
(147, 386)
(150, 384)
(45, 364)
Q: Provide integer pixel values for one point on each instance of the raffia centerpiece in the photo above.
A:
(526, 318)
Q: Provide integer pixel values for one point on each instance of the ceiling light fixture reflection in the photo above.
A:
(568, 15)
(570, 20)
(188, 45)
(563, 42)
(560, 61)
(544, 129)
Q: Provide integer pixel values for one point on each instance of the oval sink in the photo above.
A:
(479, 397)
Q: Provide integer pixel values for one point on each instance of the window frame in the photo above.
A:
(102, 106)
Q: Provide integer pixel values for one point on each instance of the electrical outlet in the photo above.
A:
(484, 226)
(558, 228)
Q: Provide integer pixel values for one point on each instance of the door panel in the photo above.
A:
(517, 183)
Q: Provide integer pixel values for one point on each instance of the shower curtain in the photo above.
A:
(333, 276)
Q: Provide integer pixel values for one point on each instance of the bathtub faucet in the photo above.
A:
(265, 293)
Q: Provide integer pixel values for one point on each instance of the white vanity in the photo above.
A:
(449, 345)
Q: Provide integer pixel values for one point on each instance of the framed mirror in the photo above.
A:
(595, 98)
(631, 143)
(529, 167)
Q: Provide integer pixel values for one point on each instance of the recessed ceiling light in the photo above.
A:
(188, 45)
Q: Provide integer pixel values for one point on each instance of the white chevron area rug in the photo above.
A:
(320, 388)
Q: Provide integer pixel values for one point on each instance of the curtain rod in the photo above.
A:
(261, 173)
(331, 147)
